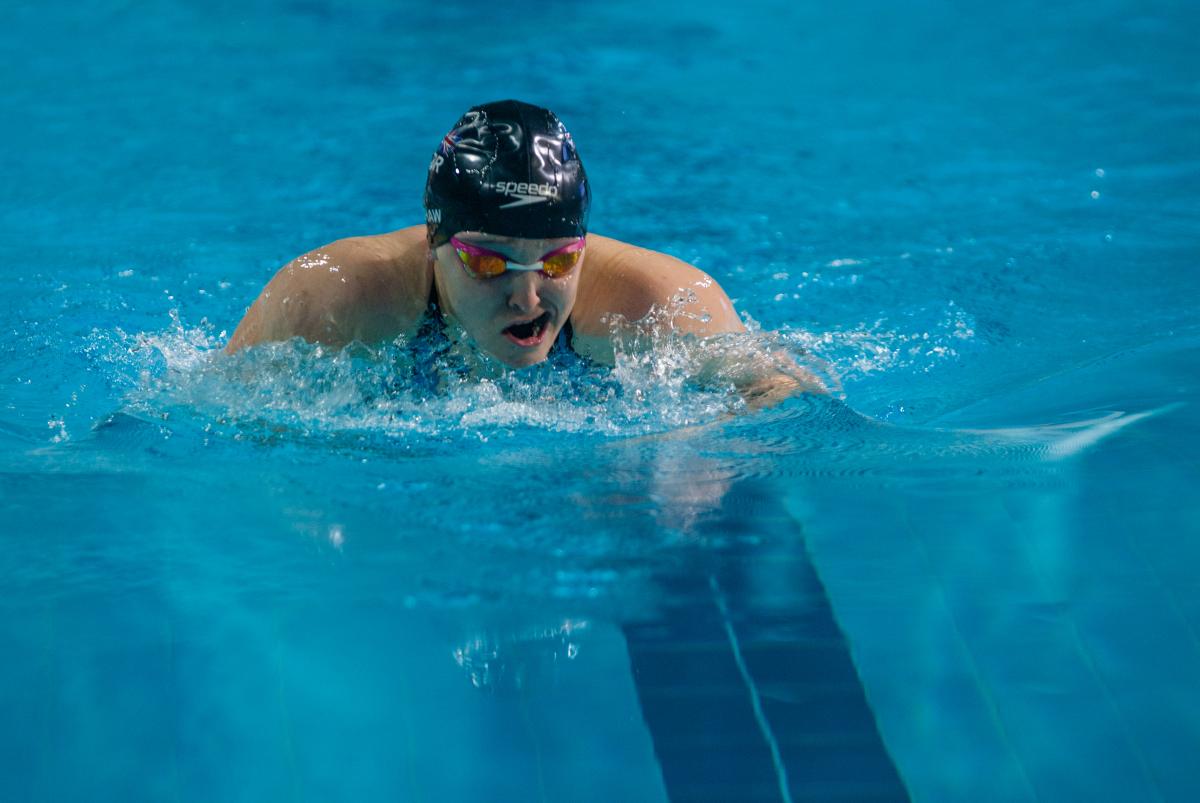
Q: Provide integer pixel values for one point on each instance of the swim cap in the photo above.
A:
(506, 168)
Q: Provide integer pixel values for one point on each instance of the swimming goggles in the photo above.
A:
(483, 263)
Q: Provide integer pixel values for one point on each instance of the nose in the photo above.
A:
(523, 295)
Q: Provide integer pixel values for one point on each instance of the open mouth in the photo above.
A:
(528, 333)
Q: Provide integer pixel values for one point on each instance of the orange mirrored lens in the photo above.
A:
(484, 266)
(561, 263)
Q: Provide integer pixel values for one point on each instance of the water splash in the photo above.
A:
(886, 345)
(423, 389)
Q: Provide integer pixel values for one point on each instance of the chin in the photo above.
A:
(523, 360)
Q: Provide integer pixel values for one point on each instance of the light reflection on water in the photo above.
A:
(250, 578)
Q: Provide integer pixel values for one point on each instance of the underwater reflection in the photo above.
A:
(744, 681)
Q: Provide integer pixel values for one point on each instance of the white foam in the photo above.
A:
(660, 382)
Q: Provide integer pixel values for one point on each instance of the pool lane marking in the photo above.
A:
(755, 701)
(1092, 668)
(972, 664)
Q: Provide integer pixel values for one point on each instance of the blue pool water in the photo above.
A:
(295, 575)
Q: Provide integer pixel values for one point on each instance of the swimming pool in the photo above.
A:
(289, 575)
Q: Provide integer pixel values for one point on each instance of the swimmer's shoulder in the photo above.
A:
(370, 289)
(625, 282)
(393, 275)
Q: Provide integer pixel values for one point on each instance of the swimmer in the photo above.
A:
(504, 255)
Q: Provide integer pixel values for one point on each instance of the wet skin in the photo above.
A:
(373, 289)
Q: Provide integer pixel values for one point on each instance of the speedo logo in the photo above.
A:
(525, 192)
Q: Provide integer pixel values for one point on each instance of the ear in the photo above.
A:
(431, 255)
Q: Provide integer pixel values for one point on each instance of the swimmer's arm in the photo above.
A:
(636, 283)
(765, 378)
(354, 289)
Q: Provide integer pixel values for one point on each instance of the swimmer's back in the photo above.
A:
(373, 288)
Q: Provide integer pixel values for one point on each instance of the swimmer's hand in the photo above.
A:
(768, 391)
(763, 377)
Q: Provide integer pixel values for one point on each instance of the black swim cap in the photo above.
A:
(507, 168)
